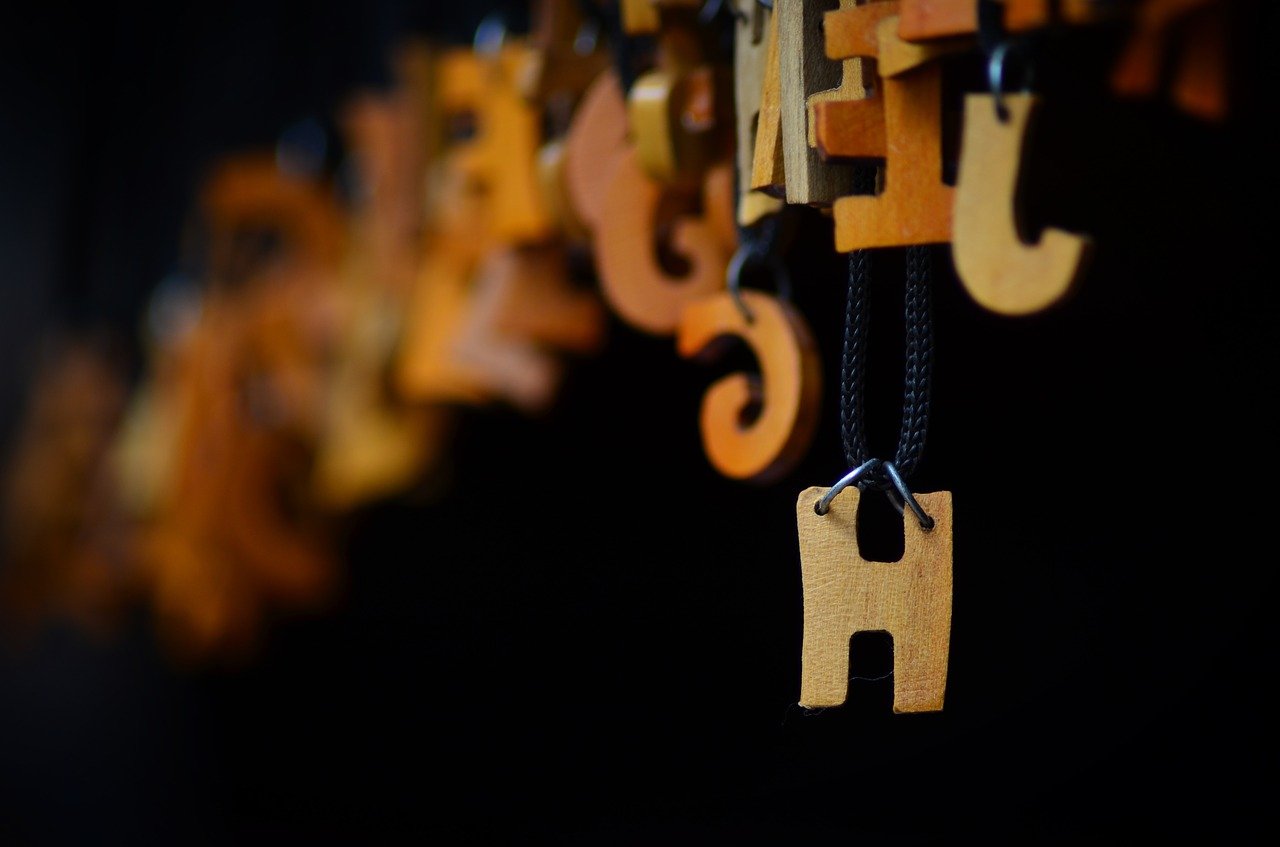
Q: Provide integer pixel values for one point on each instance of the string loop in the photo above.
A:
(870, 473)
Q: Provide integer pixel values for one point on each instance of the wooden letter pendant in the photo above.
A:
(999, 270)
(752, 45)
(804, 70)
(915, 205)
(789, 390)
(845, 594)
(632, 277)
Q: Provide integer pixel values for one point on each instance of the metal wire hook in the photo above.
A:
(491, 34)
(824, 505)
(926, 522)
(995, 79)
(733, 277)
(733, 283)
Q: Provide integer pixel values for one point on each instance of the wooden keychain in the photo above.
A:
(678, 110)
(1000, 270)
(677, 150)
(629, 213)
(844, 592)
(633, 279)
(788, 391)
(805, 70)
(914, 205)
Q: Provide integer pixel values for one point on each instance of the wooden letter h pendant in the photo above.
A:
(845, 594)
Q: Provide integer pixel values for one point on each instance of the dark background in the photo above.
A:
(587, 636)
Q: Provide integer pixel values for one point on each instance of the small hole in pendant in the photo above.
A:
(871, 679)
(881, 536)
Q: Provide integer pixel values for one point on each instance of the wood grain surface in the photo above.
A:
(845, 594)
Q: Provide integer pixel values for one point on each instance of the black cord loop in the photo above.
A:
(870, 473)
(918, 376)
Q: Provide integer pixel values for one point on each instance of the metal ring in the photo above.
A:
(733, 282)
(491, 34)
(824, 505)
(926, 522)
(588, 37)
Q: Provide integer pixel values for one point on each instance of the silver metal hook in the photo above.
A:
(588, 37)
(824, 505)
(995, 79)
(491, 34)
(926, 522)
(733, 283)
(733, 278)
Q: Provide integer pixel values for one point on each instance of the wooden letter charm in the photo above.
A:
(673, 121)
(1001, 271)
(767, 169)
(596, 143)
(750, 61)
(915, 205)
(632, 278)
(805, 70)
(680, 111)
(845, 594)
(791, 373)
(851, 32)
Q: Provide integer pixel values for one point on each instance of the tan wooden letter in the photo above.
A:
(845, 594)
(1001, 271)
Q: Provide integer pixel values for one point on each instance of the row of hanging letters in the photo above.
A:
(508, 197)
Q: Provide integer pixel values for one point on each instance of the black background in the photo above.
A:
(583, 634)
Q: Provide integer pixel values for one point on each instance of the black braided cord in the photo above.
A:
(918, 382)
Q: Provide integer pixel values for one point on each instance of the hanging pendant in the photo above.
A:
(845, 594)
(999, 269)
(788, 390)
